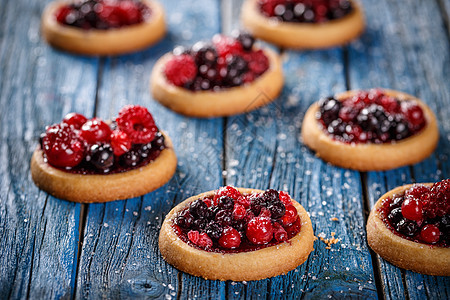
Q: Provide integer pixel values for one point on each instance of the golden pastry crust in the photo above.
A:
(104, 188)
(225, 102)
(254, 265)
(303, 35)
(421, 258)
(103, 42)
(371, 157)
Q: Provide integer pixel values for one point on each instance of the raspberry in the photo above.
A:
(417, 191)
(230, 238)
(62, 146)
(180, 69)
(120, 142)
(137, 122)
(95, 131)
(227, 46)
(238, 211)
(290, 215)
(412, 209)
(204, 241)
(193, 236)
(259, 231)
(258, 62)
(430, 234)
(75, 120)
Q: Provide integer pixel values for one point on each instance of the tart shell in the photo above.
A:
(225, 102)
(104, 188)
(112, 41)
(303, 35)
(253, 265)
(371, 157)
(406, 254)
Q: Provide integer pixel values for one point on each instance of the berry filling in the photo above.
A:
(370, 117)
(223, 63)
(81, 146)
(231, 222)
(305, 11)
(102, 14)
(420, 214)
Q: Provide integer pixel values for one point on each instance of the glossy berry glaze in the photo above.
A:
(421, 214)
(81, 146)
(225, 62)
(305, 11)
(370, 117)
(102, 14)
(231, 222)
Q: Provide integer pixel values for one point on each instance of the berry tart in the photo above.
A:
(226, 76)
(88, 161)
(371, 130)
(304, 24)
(237, 234)
(103, 27)
(410, 227)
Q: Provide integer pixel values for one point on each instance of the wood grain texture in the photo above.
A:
(39, 234)
(125, 233)
(396, 44)
(405, 47)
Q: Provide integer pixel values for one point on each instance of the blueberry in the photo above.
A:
(101, 156)
(204, 54)
(159, 141)
(130, 158)
(407, 227)
(246, 40)
(395, 216)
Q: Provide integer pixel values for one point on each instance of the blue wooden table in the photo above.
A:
(51, 248)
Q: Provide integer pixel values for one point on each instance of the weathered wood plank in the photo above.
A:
(120, 254)
(39, 233)
(397, 45)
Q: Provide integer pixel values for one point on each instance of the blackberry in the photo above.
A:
(395, 216)
(214, 230)
(224, 217)
(329, 109)
(204, 54)
(198, 209)
(406, 227)
(226, 202)
(159, 141)
(130, 159)
(184, 219)
(247, 40)
(277, 209)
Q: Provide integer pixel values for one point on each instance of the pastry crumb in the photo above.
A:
(334, 219)
(330, 241)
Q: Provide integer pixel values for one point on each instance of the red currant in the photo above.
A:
(430, 234)
(290, 215)
(75, 120)
(230, 238)
(95, 131)
(259, 230)
(412, 209)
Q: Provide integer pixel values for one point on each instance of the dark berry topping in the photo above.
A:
(421, 213)
(81, 146)
(229, 220)
(101, 156)
(222, 63)
(102, 14)
(305, 11)
(370, 116)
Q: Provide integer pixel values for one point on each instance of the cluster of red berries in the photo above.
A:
(225, 62)
(423, 213)
(305, 11)
(102, 14)
(370, 116)
(79, 141)
(240, 222)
